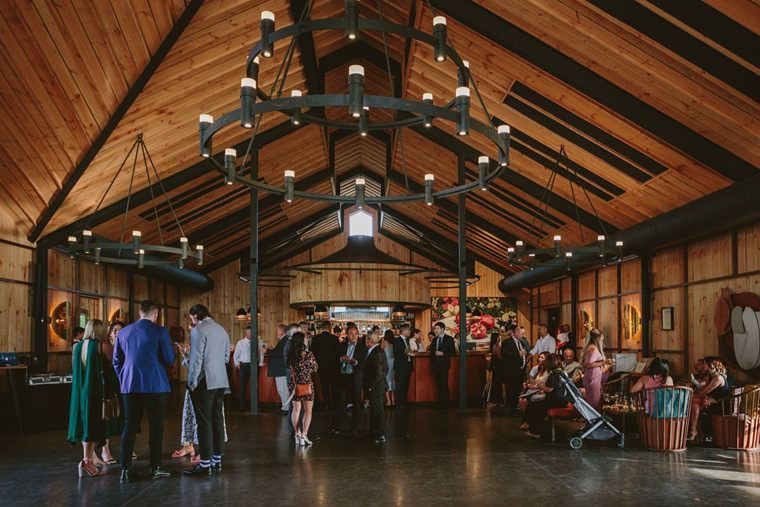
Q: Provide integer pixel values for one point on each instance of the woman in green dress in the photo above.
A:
(85, 415)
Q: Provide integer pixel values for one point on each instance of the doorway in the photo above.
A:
(552, 320)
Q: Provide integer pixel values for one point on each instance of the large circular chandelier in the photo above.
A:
(254, 102)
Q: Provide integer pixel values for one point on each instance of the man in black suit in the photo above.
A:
(325, 349)
(402, 364)
(375, 384)
(441, 350)
(349, 380)
(513, 355)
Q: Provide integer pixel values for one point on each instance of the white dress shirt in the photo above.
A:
(242, 352)
(545, 344)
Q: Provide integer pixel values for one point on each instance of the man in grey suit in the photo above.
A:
(207, 380)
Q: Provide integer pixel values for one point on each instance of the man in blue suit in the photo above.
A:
(142, 352)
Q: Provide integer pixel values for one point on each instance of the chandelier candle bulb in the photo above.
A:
(519, 244)
(360, 184)
(296, 118)
(97, 255)
(532, 258)
(503, 132)
(199, 253)
(462, 75)
(136, 241)
(429, 181)
(180, 262)
(253, 70)
(230, 158)
(267, 27)
(183, 245)
(557, 247)
(510, 254)
(482, 172)
(204, 123)
(352, 19)
(427, 120)
(86, 237)
(602, 246)
(462, 104)
(355, 90)
(619, 248)
(290, 177)
(569, 260)
(247, 98)
(141, 258)
(439, 32)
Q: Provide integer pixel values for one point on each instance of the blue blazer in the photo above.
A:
(142, 352)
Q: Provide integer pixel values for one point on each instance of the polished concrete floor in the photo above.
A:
(448, 457)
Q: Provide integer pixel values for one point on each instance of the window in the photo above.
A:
(360, 224)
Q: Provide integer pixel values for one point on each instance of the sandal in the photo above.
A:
(531, 435)
(195, 459)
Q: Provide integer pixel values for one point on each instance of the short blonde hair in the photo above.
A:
(95, 330)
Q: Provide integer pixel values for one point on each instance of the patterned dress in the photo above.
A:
(302, 371)
(189, 433)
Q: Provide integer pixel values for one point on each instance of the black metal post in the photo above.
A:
(255, 346)
(646, 306)
(462, 290)
(574, 311)
(40, 310)
(131, 291)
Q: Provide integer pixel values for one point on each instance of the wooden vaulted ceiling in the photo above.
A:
(656, 102)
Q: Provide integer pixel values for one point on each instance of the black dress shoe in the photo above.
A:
(198, 470)
(126, 476)
(159, 473)
(380, 440)
(217, 467)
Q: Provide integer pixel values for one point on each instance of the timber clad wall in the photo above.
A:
(687, 277)
(16, 255)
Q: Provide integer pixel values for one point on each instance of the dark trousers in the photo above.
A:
(513, 381)
(377, 410)
(346, 391)
(535, 412)
(155, 404)
(209, 407)
(328, 384)
(245, 376)
(441, 378)
(403, 375)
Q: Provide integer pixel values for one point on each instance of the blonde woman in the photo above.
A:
(709, 396)
(85, 413)
(594, 364)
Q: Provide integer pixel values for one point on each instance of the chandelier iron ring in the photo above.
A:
(297, 107)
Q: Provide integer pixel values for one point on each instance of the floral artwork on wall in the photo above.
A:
(485, 315)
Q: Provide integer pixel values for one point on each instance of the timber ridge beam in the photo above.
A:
(116, 117)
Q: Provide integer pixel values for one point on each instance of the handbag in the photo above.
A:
(303, 389)
(110, 408)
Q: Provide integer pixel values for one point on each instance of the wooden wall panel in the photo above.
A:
(661, 339)
(608, 281)
(91, 277)
(15, 262)
(710, 257)
(607, 322)
(667, 267)
(117, 283)
(630, 276)
(567, 290)
(748, 248)
(566, 313)
(15, 318)
(586, 286)
(549, 294)
(61, 270)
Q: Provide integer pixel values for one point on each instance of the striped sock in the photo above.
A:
(205, 463)
(216, 459)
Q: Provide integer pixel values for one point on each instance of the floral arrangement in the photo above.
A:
(494, 312)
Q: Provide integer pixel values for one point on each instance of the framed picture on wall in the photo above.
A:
(667, 318)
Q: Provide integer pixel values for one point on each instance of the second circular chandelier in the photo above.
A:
(254, 102)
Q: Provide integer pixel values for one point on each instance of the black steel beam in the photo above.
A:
(462, 256)
(597, 88)
(113, 121)
(305, 42)
(254, 287)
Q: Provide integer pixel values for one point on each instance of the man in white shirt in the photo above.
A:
(546, 342)
(242, 362)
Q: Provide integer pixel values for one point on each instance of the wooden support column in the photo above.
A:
(646, 305)
(462, 239)
(254, 266)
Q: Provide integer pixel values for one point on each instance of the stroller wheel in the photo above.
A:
(621, 441)
(576, 442)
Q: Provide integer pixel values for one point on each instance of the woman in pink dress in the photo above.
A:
(594, 363)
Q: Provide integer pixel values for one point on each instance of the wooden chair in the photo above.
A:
(567, 412)
(738, 427)
(663, 416)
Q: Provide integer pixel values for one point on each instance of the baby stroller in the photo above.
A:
(597, 426)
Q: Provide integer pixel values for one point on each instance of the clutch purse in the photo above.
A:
(303, 389)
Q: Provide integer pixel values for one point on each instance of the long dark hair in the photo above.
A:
(297, 346)
(494, 339)
(549, 362)
(389, 337)
(659, 367)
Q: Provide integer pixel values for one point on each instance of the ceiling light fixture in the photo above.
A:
(407, 113)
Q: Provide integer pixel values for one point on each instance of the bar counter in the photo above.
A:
(421, 385)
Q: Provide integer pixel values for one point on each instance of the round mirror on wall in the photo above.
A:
(631, 322)
(59, 320)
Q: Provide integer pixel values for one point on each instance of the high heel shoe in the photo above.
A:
(299, 440)
(88, 468)
(305, 440)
